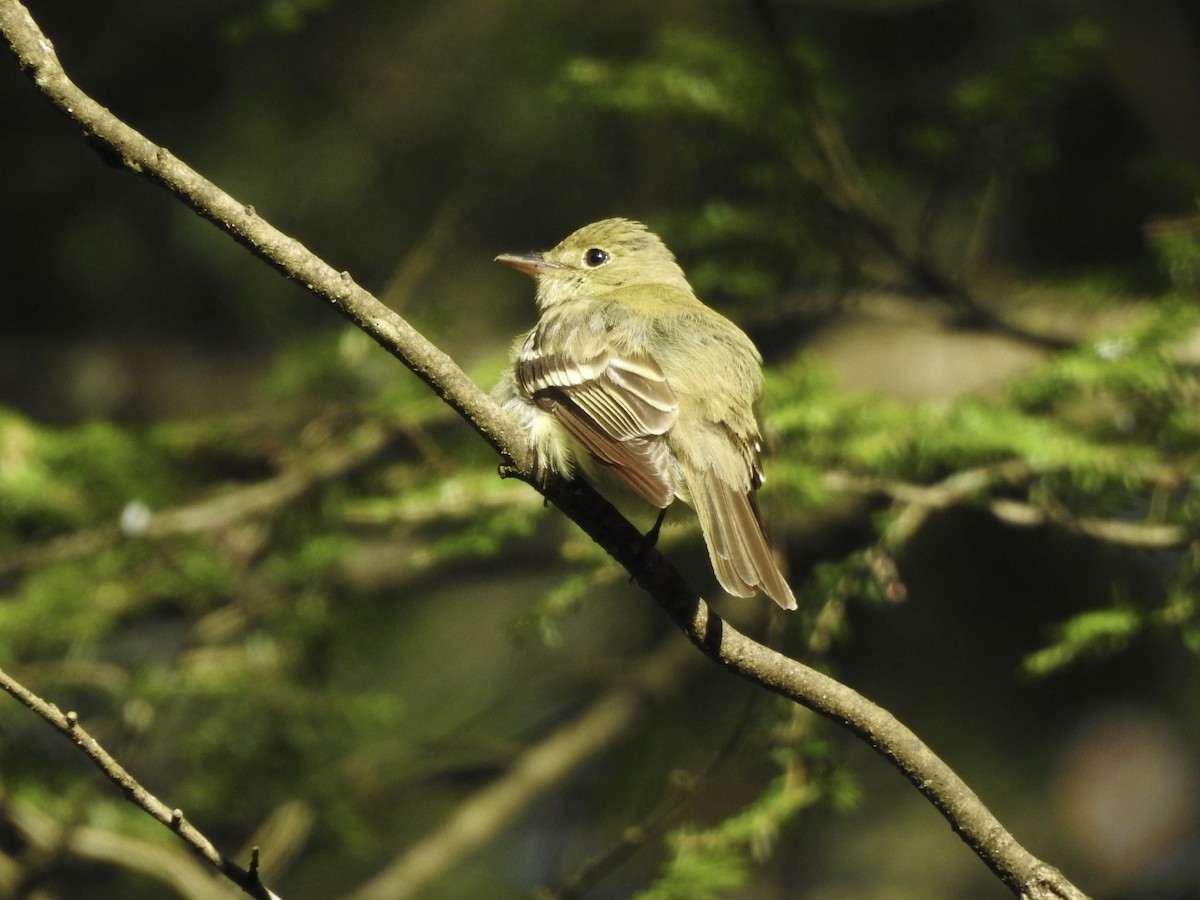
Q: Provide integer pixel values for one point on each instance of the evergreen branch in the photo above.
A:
(211, 514)
(261, 498)
(1023, 873)
(1141, 535)
(970, 485)
(68, 725)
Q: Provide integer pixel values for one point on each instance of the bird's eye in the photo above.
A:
(595, 257)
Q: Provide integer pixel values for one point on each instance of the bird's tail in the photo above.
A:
(737, 545)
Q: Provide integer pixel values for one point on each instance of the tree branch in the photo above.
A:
(971, 486)
(1023, 873)
(68, 725)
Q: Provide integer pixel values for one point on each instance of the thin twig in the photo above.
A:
(68, 725)
(418, 262)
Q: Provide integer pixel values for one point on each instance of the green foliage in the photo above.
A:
(227, 636)
(1098, 414)
(350, 371)
(1134, 377)
(1106, 432)
(1098, 631)
(28, 486)
(883, 438)
(713, 862)
(52, 479)
(690, 74)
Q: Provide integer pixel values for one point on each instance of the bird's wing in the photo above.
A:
(618, 407)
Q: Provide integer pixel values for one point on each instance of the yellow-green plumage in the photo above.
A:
(628, 375)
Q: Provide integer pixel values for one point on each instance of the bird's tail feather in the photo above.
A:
(737, 545)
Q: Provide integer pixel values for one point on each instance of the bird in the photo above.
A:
(629, 380)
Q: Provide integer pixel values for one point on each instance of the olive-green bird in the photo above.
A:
(628, 376)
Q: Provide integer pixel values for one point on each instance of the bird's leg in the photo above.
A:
(538, 481)
(651, 537)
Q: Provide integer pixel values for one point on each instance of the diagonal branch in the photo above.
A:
(68, 725)
(1023, 873)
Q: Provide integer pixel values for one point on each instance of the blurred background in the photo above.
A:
(286, 588)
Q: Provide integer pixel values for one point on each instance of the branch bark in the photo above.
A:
(1023, 873)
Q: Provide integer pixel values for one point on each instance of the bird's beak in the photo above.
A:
(530, 263)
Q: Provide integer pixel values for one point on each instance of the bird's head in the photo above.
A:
(598, 258)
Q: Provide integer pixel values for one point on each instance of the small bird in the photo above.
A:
(633, 380)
